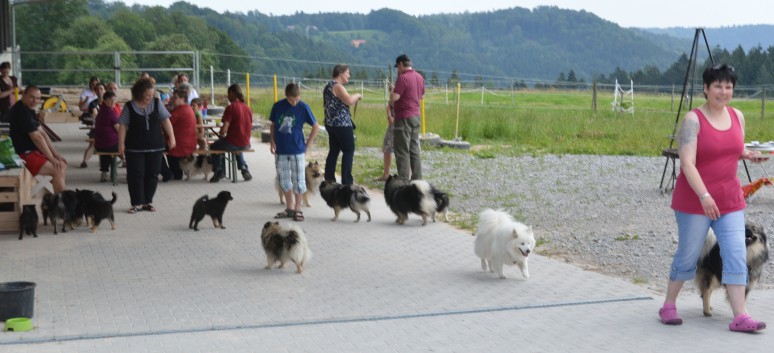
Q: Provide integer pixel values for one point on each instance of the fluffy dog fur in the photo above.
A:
(62, 206)
(28, 221)
(283, 244)
(193, 165)
(441, 203)
(213, 207)
(501, 240)
(313, 176)
(339, 196)
(96, 209)
(405, 197)
(709, 270)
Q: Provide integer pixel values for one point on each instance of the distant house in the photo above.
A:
(358, 42)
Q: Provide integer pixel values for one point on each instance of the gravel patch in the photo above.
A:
(601, 213)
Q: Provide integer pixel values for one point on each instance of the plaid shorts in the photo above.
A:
(290, 170)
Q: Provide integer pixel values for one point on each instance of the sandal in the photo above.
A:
(669, 315)
(287, 213)
(148, 208)
(134, 210)
(744, 323)
(298, 216)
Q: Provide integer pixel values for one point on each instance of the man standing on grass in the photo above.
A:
(406, 96)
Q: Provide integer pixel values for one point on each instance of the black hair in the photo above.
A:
(108, 95)
(719, 73)
(5, 65)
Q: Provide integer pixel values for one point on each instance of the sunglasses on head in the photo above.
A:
(723, 67)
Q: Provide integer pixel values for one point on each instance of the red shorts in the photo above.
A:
(34, 161)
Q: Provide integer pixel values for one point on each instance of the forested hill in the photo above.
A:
(516, 42)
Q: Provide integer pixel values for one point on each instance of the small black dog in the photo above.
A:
(213, 207)
(95, 208)
(339, 196)
(44, 207)
(28, 221)
(62, 206)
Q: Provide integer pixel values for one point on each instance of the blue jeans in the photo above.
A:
(692, 231)
(218, 163)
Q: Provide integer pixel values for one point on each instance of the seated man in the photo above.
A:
(234, 134)
(32, 143)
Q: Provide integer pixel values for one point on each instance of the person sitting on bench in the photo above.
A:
(32, 143)
(234, 134)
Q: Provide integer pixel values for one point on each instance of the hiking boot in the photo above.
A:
(103, 177)
(217, 176)
(246, 175)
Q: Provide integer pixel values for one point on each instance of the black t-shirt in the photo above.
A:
(23, 121)
(94, 105)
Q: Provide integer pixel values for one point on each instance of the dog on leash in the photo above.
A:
(313, 174)
(212, 207)
(404, 197)
(28, 221)
(283, 244)
(709, 270)
(193, 165)
(96, 209)
(339, 196)
(501, 240)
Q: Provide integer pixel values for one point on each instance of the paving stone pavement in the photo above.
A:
(153, 285)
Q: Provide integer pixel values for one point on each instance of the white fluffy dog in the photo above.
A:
(502, 240)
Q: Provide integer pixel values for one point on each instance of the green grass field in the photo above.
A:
(536, 121)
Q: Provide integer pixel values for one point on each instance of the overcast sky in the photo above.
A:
(626, 13)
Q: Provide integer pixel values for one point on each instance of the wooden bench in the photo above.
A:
(113, 165)
(231, 170)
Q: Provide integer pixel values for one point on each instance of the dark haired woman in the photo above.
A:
(234, 134)
(7, 86)
(708, 195)
(140, 139)
(339, 125)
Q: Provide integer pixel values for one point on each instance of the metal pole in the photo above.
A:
(117, 64)
(212, 85)
(275, 88)
(457, 123)
(228, 77)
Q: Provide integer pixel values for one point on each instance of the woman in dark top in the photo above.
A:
(339, 125)
(141, 141)
(7, 86)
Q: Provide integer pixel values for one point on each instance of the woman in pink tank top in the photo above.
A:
(708, 195)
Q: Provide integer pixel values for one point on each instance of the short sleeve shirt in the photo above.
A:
(23, 121)
(288, 124)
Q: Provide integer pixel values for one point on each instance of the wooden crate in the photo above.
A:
(14, 192)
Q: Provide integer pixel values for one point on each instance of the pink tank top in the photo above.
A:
(717, 160)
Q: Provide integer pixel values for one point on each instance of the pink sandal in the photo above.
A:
(744, 323)
(669, 315)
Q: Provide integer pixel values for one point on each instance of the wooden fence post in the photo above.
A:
(763, 103)
(594, 97)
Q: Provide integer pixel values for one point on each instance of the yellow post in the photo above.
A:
(247, 88)
(422, 104)
(457, 123)
(275, 88)
(16, 94)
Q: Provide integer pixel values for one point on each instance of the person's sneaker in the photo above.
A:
(103, 178)
(217, 176)
(246, 175)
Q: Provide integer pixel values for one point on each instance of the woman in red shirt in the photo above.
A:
(708, 195)
(184, 126)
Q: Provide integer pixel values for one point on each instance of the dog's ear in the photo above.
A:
(515, 233)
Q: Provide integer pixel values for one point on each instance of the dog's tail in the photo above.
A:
(113, 201)
(296, 246)
(427, 202)
(360, 195)
(709, 242)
